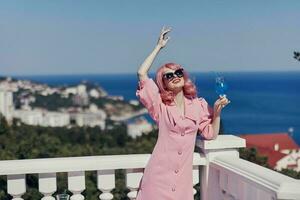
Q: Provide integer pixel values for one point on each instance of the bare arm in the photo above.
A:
(218, 106)
(216, 126)
(144, 68)
(162, 41)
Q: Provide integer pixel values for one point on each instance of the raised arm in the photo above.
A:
(162, 41)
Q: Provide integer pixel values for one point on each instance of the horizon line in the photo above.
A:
(151, 73)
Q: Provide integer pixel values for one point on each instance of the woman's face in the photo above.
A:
(173, 79)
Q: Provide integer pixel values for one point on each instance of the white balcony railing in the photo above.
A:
(223, 175)
(226, 176)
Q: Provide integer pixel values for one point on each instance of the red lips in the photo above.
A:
(177, 80)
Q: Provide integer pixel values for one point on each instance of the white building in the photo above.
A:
(56, 119)
(43, 118)
(8, 84)
(90, 119)
(94, 109)
(289, 161)
(68, 91)
(94, 93)
(81, 90)
(6, 104)
(134, 102)
(77, 90)
(138, 127)
(30, 117)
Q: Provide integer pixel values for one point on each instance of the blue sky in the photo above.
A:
(96, 37)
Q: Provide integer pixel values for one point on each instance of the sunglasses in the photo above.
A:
(171, 75)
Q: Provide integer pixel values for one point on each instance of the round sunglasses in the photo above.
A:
(171, 75)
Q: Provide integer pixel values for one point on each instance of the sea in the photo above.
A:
(261, 102)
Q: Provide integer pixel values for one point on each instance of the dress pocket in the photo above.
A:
(191, 130)
(175, 130)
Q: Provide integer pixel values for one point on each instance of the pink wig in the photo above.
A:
(189, 88)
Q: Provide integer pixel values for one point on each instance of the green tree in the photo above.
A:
(3, 125)
(291, 173)
(252, 155)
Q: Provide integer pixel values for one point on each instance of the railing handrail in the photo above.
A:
(85, 163)
(221, 142)
(285, 187)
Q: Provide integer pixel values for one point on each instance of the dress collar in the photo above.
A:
(190, 111)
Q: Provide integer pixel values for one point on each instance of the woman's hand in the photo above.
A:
(163, 39)
(219, 105)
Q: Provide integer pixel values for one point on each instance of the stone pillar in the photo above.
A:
(223, 145)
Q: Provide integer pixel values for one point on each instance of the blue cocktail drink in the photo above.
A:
(221, 86)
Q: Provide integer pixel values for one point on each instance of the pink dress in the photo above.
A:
(168, 174)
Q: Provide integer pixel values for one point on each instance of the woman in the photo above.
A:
(179, 114)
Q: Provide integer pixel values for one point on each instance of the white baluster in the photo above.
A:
(225, 185)
(227, 196)
(233, 185)
(223, 180)
(106, 183)
(195, 177)
(16, 186)
(266, 195)
(47, 185)
(251, 192)
(133, 178)
(76, 184)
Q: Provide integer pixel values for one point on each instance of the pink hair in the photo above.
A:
(189, 88)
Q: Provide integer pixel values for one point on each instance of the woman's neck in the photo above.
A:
(179, 98)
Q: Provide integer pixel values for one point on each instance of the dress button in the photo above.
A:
(182, 134)
(179, 152)
(176, 171)
(173, 189)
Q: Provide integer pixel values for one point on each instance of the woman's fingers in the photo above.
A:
(167, 38)
(218, 101)
(221, 102)
(164, 31)
(163, 38)
(219, 108)
(224, 102)
(167, 31)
